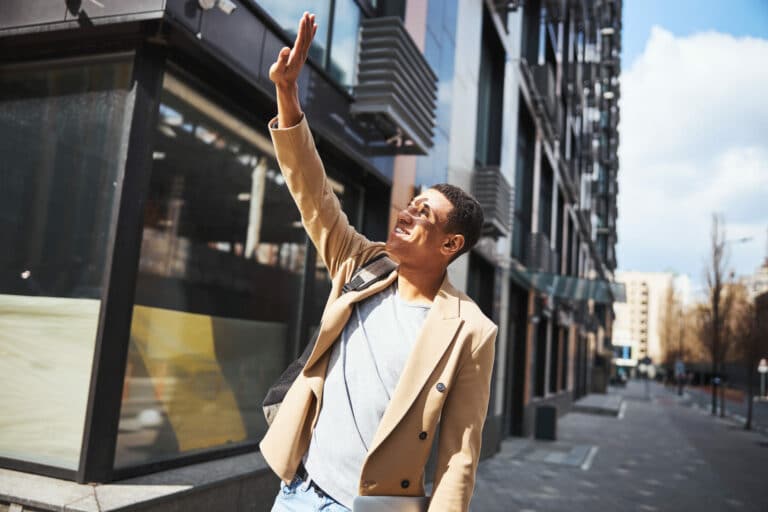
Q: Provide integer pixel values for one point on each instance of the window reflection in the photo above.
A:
(341, 63)
(346, 24)
(219, 285)
(62, 130)
(288, 14)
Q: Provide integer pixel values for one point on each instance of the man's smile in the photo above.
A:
(399, 230)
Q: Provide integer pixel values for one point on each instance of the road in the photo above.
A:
(662, 454)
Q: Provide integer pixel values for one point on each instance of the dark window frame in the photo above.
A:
(111, 352)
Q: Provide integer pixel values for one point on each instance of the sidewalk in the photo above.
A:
(735, 408)
(660, 454)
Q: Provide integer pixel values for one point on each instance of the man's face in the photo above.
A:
(419, 236)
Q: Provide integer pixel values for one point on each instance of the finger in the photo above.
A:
(282, 56)
(312, 28)
(310, 24)
(303, 40)
(304, 33)
(300, 33)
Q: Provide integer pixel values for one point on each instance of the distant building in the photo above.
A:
(757, 283)
(636, 328)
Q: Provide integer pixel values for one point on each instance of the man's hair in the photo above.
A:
(466, 217)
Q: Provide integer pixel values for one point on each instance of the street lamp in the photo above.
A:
(741, 240)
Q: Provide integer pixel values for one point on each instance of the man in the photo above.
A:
(390, 360)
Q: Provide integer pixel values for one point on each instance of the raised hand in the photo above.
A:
(285, 71)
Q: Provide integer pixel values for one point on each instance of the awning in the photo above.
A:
(600, 291)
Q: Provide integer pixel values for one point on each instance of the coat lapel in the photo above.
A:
(436, 335)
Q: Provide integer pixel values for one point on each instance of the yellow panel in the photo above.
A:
(177, 349)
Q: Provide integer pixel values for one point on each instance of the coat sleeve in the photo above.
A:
(461, 429)
(321, 214)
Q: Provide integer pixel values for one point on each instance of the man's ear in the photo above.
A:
(452, 245)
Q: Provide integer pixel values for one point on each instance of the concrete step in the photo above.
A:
(605, 404)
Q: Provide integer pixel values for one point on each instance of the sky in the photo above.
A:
(693, 133)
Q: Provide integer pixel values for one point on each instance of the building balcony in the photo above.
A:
(503, 7)
(574, 76)
(556, 9)
(541, 82)
(539, 255)
(613, 188)
(590, 74)
(494, 194)
(396, 91)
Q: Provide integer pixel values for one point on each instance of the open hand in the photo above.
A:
(285, 71)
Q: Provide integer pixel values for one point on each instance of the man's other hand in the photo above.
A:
(285, 71)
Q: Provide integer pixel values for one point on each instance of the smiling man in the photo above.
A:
(392, 361)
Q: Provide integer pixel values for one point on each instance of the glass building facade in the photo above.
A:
(155, 278)
(63, 132)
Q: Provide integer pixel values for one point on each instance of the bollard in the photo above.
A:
(546, 422)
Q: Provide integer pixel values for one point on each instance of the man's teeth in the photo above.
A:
(398, 230)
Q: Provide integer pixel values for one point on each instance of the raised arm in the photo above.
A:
(285, 72)
(321, 214)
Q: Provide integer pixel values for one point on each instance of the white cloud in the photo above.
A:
(694, 140)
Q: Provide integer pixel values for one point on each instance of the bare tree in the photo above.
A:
(704, 334)
(697, 333)
(734, 296)
(746, 341)
(668, 327)
(715, 275)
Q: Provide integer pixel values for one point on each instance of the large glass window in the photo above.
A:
(523, 182)
(335, 50)
(220, 284)
(288, 14)
(63, 129)
(346, 25)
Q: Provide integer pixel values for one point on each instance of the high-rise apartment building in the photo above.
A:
(155, 265)
(636, 329)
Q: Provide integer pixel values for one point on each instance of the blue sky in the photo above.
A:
(686, 17)
(694, 119)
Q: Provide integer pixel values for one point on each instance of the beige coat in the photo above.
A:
(446, 377)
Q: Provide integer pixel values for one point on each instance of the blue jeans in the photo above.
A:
(299, 497)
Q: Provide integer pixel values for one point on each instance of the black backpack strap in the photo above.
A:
(374, 270)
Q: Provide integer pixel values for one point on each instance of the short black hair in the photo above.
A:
(466, 218)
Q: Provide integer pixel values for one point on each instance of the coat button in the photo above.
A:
(404, 484)
(440, 387)
(423, 436)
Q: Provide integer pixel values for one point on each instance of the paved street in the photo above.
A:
(661, 454)
(737, 409)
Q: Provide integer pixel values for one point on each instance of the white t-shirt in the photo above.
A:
(342, 434)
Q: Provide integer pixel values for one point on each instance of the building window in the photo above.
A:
(490, 97)
(346, 26)
(219, 284)
(63, 129)
(288, 14)
(523, 189)
(334, 47)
